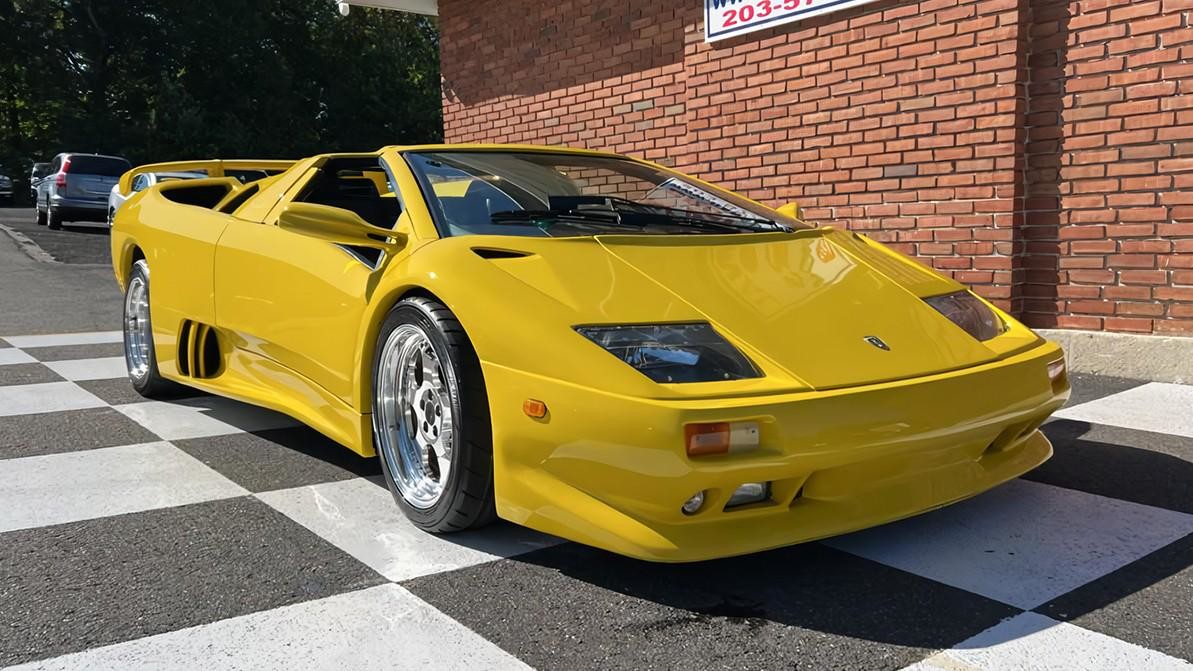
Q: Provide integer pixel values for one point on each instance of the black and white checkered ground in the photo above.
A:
(207, 534)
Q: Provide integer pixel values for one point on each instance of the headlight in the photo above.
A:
(972, 315)
(673, 352)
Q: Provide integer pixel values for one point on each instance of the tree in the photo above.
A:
(172, 79)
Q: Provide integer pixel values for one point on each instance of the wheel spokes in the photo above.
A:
(137, 330)
(443, 464)
(430, 366)
(415, 430)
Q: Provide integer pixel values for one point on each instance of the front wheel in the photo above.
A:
(431, 423)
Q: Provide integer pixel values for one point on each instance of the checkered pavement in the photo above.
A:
(203, 532)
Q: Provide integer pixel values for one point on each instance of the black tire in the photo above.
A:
(53, 219)
(151, 384)
(467, 498)
(41, 214)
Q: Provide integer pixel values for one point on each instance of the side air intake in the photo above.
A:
(198, 351)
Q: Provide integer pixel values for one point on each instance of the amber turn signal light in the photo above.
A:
(720, 437)
(534, 408)
(1056, 369)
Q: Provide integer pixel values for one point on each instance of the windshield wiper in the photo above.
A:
(620, 205)
(609, 218)
(544, 218)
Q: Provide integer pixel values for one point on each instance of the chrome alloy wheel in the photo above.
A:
(413, 416)
(137, 332)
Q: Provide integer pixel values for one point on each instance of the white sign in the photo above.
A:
(726, 18)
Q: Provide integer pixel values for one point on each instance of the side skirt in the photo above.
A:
(253, 379)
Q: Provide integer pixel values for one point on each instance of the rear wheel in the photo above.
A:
(53, 218)
(140, 358)
(41, 214)
(431, 422)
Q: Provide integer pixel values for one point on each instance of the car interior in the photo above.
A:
(357, 184)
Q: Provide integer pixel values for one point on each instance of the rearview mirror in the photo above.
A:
(791, 210)
(335, 224)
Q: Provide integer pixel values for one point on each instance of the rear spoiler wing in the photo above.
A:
(213, 167)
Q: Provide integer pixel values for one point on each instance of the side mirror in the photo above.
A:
(334, 224)
(791, 210)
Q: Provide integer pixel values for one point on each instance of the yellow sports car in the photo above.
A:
(590, 345)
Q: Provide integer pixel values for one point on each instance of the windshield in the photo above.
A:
(558, 194)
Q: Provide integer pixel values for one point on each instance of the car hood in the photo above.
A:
(810, 304)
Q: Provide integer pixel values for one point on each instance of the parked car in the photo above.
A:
(38, 173)
(593, 346)
(77, 188)
(141, 182)
(5, 190)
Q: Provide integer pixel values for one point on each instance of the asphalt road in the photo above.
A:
(77, 294)
(203, 532)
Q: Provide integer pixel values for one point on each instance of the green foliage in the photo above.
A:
(159, 80)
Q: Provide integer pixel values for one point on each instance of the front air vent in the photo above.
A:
(198, 350)
(490, 253)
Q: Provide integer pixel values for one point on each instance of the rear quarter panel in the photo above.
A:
(178, 243)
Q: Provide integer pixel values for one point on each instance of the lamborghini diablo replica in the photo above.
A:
(586, 344)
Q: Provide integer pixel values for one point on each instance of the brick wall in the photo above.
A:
(1039, 150)
(1113, 166)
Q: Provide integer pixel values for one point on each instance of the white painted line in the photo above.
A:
(30, 399)
(1023, 543)
(58, 488)
(1032, 641)
(11, 355)
(90, 369)
(58, 339)
(1156, 406)
(382, 627)
(199, 417)
(363, 520)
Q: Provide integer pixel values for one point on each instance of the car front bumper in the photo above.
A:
(612, 471)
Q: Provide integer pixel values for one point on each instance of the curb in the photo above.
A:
(28, 246)
(1157, 358)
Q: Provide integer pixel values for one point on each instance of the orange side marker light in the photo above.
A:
(710, 438)
(534, 408)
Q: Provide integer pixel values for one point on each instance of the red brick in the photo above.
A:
(1079, 322)
(1152, 277)
(1176, 326)
(1136, 293)
(1092, 276)
(1128, 324)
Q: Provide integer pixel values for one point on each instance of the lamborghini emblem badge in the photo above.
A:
(877, 342)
